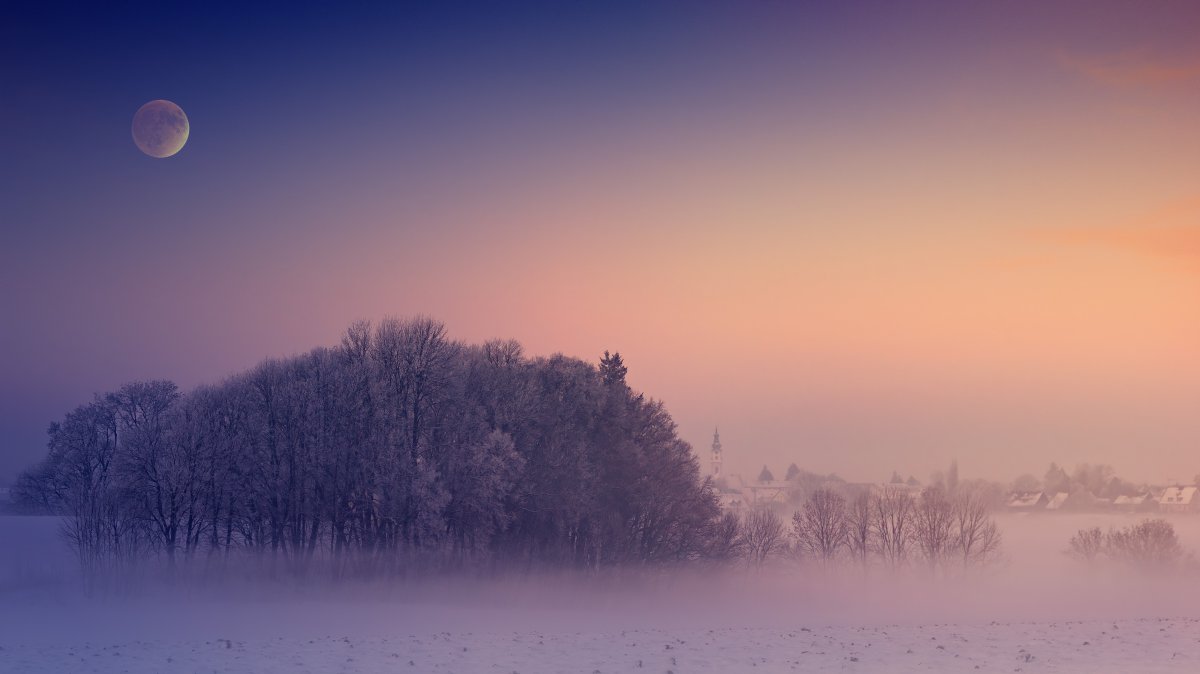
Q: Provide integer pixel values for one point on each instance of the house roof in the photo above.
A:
(1058, 500)
(1130, 500)
(1026, 499)
(1178, 496)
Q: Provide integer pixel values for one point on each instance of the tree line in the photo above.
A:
(397, 448)
(939, 530)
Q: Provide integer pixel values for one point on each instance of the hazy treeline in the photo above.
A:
(1090, 485)
(1098, 481)
(397, 447)
(936, 529)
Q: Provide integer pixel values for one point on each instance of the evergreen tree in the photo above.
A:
(612, 369)
(792, 471)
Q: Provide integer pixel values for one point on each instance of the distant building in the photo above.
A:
(1135, 503)
(1027, 500)
(910, 490)
(1179, 500)
(736, 495)
(716, 454)
(1058, 501)
(763, 494)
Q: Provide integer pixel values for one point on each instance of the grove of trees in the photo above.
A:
(1150, 546)
(397, 449)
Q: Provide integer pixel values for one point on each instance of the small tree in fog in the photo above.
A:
(1086, 545)
(858, 527)
(976, 538)
(1151, 545)
(762, 536)
(933, 526)
(820, 526)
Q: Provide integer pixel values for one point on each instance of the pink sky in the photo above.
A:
(976, 238)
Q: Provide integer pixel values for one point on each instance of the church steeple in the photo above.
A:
(716, 453)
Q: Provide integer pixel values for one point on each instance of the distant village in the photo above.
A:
(1089, 488)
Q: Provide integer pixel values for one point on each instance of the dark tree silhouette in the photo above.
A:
(397, 448)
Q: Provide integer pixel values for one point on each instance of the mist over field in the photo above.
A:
(1038, 602)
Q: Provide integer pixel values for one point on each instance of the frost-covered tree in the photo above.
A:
(1086, 545)
(397, 447)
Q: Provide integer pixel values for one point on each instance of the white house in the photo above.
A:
(1179, 500)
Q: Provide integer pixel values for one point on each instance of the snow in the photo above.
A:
(1155, 645)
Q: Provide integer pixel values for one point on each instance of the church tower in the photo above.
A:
(716, 454)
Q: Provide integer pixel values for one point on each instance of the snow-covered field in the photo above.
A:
(1154, 645)
(1039, 613)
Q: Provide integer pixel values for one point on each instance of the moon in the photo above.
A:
(160, 128)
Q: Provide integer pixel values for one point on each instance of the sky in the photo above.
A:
(861, 237)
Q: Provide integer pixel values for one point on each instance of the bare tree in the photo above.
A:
(820, 527)
(976, 537)
(725, 542)
(933, 522)
(859, 521)
(1149, 546)
(1086, 545)
(893, 525)
(762, 536)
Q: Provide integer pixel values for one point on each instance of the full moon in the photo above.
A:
(160, 128)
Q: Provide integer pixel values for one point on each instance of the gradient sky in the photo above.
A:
(858, 236)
